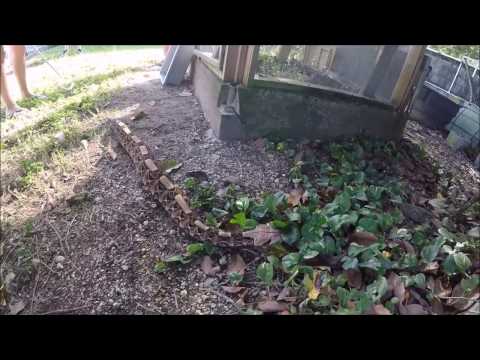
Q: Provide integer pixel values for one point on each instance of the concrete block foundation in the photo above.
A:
(236, 112)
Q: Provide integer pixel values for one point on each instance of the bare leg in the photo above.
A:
(5, 95)
(17, 55)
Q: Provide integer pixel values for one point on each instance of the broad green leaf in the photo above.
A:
(374, 193)
(343, 201)
(250, 224)
(239, 219)
(419, 281)
(419, 238)
(294, 216)
(408, 261)
(291, 236)
(211, 220)
(265, 273)
(279, 224)
(290, 261)
(337, 221)
(449, 265)
(323, 300)
(373, 264)
(310, 254)
(429, 253)
(235, 278)
(195, 248)
(349, 263)
(343, 296)
(259, 212)
(341, 280)
(368, 224)
(160, 267)
(244, 223)
(462, 261)
(313, 229)
(385, 221)
(469, 285)
(178, 258)
(275, 261)
(354, 249)
(377, 289)
(218, 213)
(242, 204)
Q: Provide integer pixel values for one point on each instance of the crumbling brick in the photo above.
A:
(201, 225)
(143, 150)
(136, 140)
(151, 165)
(166, 182)
(183, 204)
(224, 234)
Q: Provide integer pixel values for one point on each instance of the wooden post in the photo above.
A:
(284, 52)
(250, 64)
(230, 63)
(241, 61)
(380, 70)
(405, 81)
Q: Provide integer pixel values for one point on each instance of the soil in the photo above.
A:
(112, 236)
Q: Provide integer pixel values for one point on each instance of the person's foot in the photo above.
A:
(35, 96)
(13, 112)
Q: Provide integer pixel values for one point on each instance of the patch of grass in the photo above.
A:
(57, 51)
(30, 169)
(78, 86)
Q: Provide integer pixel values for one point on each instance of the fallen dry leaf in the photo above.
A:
(263, 234)
(284, 294)
(437, 306)
(379, 309)
(207, 266)
(439, 290)
(407, 247)
(354, 277)
(419, 298)
(461, 304)
(232, 289)
(363, 238)
(305, 197)
(395, 284)
(236, 265)
(17, 307)
(84, 144)
(431, 267)
(271, 306)
(294, 197)
(412, 309)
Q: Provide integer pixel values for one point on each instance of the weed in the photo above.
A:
(30, 169)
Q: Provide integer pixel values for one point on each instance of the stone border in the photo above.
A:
(171, 197)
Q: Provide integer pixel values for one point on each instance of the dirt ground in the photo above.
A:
(98, 257)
